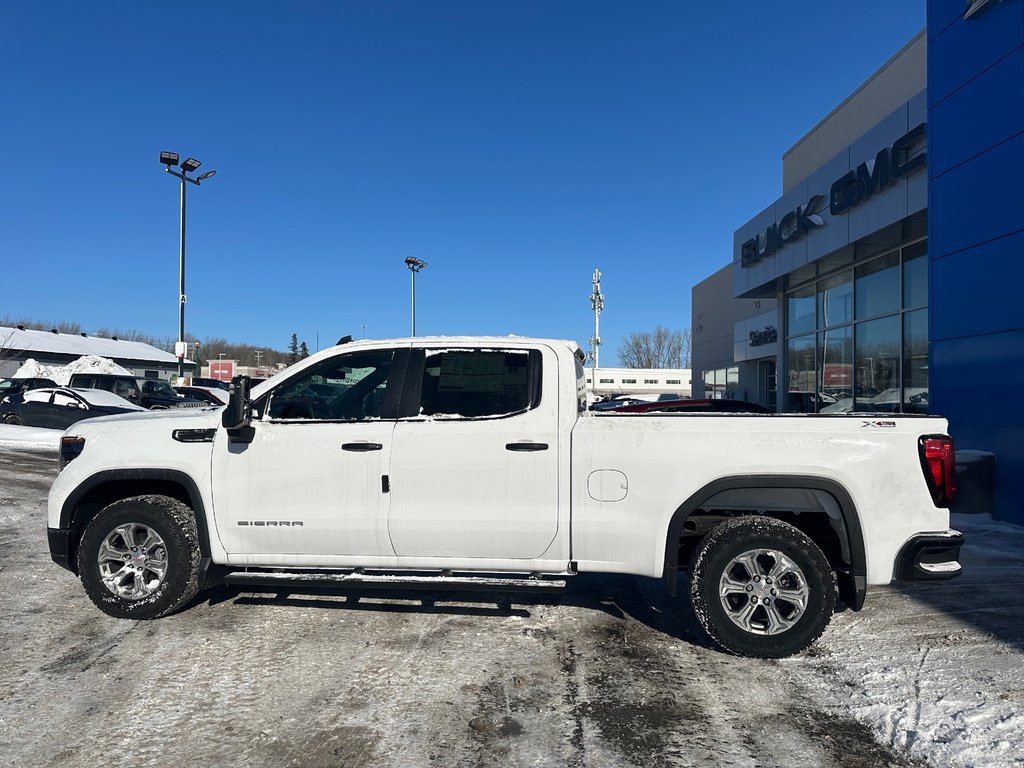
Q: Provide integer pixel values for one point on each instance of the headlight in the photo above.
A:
(70, 448)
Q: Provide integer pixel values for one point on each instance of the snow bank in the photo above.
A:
(32, 438)
(62, 374)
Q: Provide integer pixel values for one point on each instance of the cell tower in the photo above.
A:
(597, 302)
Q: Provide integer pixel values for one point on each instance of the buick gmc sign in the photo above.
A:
(889, 166)
(904, 157)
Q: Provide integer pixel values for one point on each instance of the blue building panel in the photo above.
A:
(977, 291)
(979, 387)
(942, 13)
(955, 57)
(1006, 445)
(978, 201)
(983, 113)
(976, 233)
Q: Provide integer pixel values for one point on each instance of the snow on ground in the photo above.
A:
(613, 674)
(937, 669)
(31, 438)
(32, 369)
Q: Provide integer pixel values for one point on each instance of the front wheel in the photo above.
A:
(139, 557)
(760, 587)
(13, 419)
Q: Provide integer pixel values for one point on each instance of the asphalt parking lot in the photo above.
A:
(611, 673)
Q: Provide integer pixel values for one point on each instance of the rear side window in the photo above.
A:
(474, 383)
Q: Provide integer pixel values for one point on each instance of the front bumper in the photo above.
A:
(929, 557)
(60, 547)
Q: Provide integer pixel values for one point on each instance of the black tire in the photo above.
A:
(14, 419)
(760, 587)
(164, 574)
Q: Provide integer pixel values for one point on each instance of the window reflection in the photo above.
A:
(801, 373)
(878, 365)
(915, 361)
(858, 340)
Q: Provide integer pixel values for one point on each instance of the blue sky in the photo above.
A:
(513, 146)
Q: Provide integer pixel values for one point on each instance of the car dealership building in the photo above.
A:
(884, 277)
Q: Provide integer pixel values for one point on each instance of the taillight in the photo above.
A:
(70, 448)
(938, 459)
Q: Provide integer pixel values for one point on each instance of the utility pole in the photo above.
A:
(597, 302)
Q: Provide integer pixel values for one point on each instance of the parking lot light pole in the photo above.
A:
(414, 265)
(190, 165)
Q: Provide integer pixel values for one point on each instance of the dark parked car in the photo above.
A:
(203, 395)
(61, 407)
(211, 383)
(149, 393)
(705, 406)
(17, 386)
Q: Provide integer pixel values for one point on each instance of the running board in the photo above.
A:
(386, 581)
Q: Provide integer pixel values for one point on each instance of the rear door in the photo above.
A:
(474, 474)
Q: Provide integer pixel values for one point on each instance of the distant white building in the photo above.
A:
(638, 381)
(20, 344)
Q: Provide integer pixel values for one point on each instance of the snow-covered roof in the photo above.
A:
(43, 342)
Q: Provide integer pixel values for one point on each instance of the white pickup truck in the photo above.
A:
(474, 462)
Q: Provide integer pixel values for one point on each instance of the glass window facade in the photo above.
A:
(857, 340)
(722, 383)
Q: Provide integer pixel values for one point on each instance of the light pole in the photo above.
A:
(414, 265)
(190, 165)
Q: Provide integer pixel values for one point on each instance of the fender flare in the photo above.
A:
(852, 586)
(119, 476)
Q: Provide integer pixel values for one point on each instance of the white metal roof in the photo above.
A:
(41, 342)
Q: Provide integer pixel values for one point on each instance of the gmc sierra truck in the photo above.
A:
(474, 463)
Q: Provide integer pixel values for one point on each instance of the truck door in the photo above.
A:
(313, 479)
(475, 472)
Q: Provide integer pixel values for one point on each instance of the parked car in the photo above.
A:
(153, 394)
(60, 407)
(615, 403)
(17, 386)
(203, 395)
(199, 381)
(706, 406)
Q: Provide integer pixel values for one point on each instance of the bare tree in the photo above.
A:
(660, 348)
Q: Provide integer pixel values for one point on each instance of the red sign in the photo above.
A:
(222, 370)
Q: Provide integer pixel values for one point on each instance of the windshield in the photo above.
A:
(160, 388)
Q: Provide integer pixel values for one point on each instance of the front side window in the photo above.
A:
(473, 383)
(345, 388)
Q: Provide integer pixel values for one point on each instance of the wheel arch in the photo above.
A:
(833, 500)
(104, 488)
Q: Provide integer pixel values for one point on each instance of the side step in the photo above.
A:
(397, 581)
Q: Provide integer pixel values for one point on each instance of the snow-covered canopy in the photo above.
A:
(40, 342)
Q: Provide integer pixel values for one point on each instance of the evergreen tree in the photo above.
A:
(303, 351)
(293, 349)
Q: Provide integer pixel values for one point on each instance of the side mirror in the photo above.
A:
(237, 416)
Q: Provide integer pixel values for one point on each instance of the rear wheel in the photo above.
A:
(13, 418)
(761, 587)
(139, 557)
